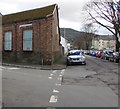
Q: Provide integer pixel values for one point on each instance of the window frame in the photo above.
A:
(10, 41)
(27, 50)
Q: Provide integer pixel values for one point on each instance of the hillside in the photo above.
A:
(70, 34)
(81, 40)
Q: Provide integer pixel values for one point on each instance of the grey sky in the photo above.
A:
(70, 12)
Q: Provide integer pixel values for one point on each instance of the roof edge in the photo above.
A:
(30, 10)
(17, 17)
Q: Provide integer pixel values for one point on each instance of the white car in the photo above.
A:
(75, 56)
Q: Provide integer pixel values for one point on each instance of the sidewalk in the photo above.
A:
(61, 64)
(40, 67)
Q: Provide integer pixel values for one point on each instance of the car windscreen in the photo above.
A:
(74, 53)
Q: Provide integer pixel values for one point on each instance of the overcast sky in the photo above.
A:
(70, 11)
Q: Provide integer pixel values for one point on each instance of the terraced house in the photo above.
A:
(32, 36)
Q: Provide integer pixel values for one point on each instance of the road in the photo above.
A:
(93, 85)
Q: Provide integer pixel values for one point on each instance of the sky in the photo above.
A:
(71, 14)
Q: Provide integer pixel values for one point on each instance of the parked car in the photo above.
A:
(106, 54)
(93, 52)
(98, 54)
(75, 56)
(115, 57)
(87, 52)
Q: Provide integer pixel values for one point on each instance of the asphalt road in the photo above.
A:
(76, 86)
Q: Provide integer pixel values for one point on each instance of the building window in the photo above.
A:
(8, 41)
(27, 40)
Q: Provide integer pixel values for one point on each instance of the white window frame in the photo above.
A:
(8, 40)
(27, 40)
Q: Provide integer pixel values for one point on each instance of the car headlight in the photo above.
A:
(69, 58)
(83, 57)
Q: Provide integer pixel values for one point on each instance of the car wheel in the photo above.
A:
(68, 63)
(117, 60)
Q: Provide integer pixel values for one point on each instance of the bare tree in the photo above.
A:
(104, 13)
(90, 33)
(79, 42)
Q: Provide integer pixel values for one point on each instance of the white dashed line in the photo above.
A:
(63, 70)
(60, 75)
(53, 99)
(58, 84)
(1, 67)
(55, 91)
(60, 78)
(54, 71)
(14, 68)
(51, 74)
(50, 77)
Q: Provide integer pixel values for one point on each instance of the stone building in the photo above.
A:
(32, 36)
(104, 42)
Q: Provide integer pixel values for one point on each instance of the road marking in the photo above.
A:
(58, 84)
(1, 67)
(51, 74)
(50, 77)
(54, 71)
(59, 78)
(14, 68)
(53, 99)
(60, 75)
(63, 70)
(55, 91)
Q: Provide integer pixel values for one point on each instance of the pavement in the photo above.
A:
(61, 64)
(33, 66)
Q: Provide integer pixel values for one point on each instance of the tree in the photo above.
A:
(90, 30)
(105, 14)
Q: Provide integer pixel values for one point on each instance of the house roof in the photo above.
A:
(104, 37)
(28, 15)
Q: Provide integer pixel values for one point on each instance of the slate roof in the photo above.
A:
(105, 37)
(28, 15)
